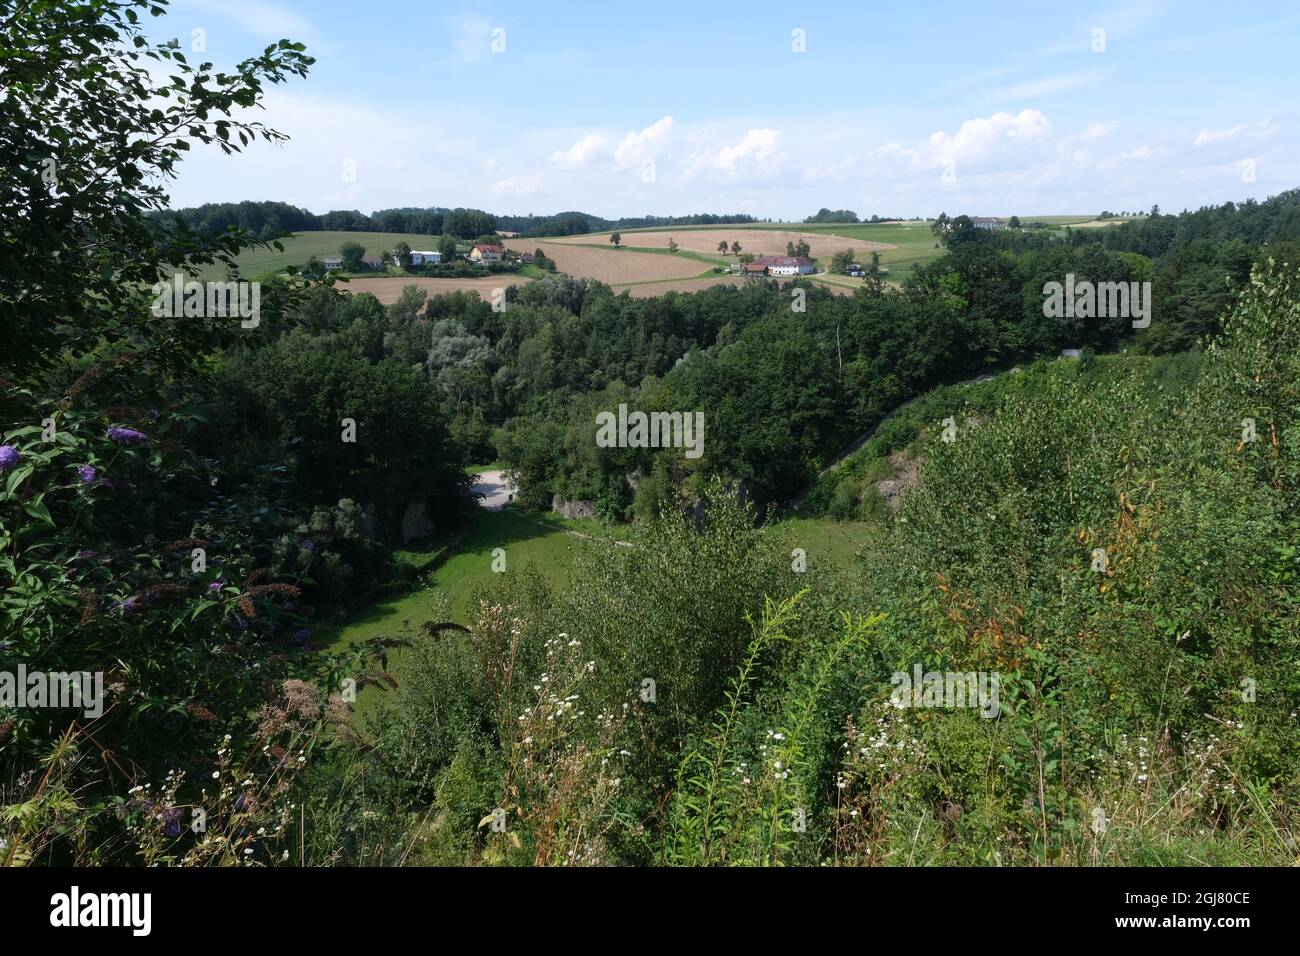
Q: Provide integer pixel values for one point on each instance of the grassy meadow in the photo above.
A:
(302, 246)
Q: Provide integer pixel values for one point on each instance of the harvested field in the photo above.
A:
(387, 289)
(609, 264)
(760, 242)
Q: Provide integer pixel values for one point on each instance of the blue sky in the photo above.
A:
(624, 109)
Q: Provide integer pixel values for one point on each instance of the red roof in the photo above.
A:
(755, 267)
(785, 260)
(489, 248)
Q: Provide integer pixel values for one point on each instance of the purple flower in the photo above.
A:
(214, 586)
(85, 555)
(130, 604)
(309, 545)
(128, 436)
(9, 457)
(86, 473)
(301, 635)
(287, 605)
(171, 818)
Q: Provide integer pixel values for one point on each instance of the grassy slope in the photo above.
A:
(528, 542)
(541, 544)
(301, 247)
(981, 397)
(914, 241)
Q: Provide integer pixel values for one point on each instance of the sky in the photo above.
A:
(773, 109)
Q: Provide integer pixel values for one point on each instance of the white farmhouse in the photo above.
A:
(787, 265)
(486, 253)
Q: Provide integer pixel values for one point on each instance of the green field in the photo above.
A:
(548, 545)
(915, 242)
(302, 246)
(529, 543)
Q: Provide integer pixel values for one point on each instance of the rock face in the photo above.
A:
(415, 522)
(907, 472)
(573, 509)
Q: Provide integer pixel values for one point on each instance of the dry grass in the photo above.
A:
(760, 242)
(609, 264)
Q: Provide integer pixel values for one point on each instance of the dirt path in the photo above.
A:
(495, 491)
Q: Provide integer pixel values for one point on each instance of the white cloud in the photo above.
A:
(260, 19)
(1048, 85)
(753, 152)
(581, 152)
(517, 185)
(1097, 131)
(979, 138)
(636, 147)
(1257, 131)
(1139, 154)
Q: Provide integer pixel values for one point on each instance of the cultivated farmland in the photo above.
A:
(764, 242)
(608, 264)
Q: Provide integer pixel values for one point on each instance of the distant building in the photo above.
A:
(331, 263)
(754, 268)
(787, 265)
(424, 258)
(486, 254)
(988, 222)
(526, 257)
(372, 262)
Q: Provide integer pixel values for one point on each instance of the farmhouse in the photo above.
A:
(754, 268)
(988, 222)
(787, 265)
(425, 258)
(486, 254)
(330, 263)
(372, 262)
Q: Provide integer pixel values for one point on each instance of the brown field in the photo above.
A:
(387, 289)
(760, 242)
(610, 265)
(1097, 223)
